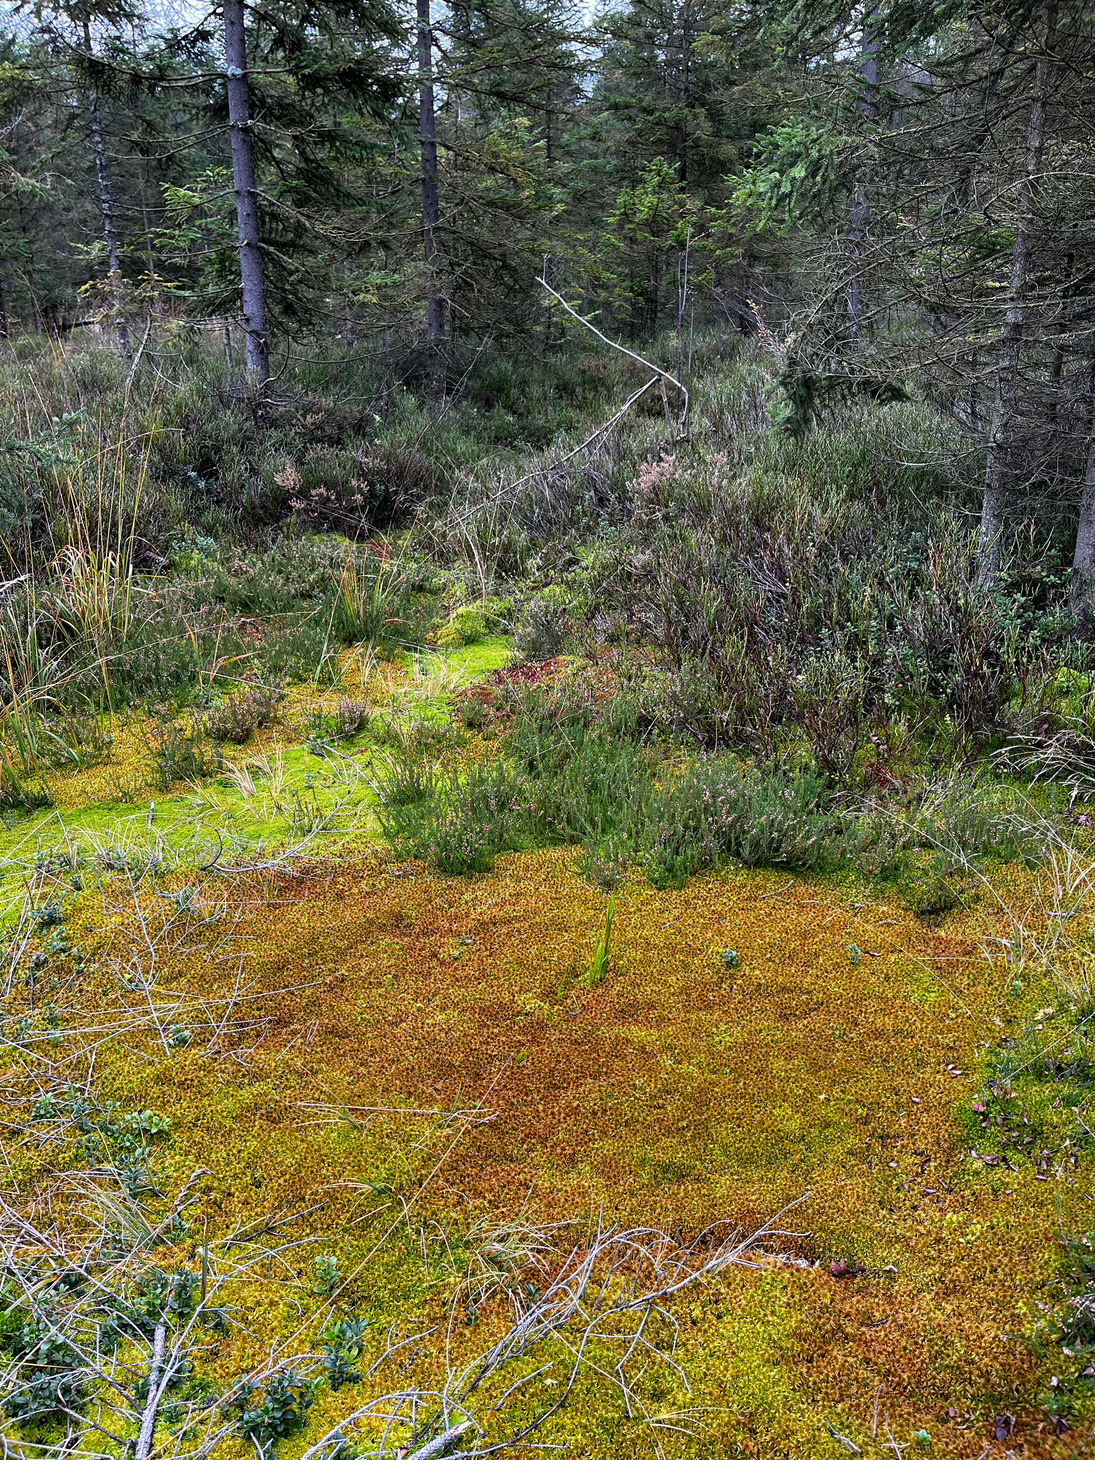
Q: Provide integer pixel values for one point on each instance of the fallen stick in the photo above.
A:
(543, 470)
(631, 355)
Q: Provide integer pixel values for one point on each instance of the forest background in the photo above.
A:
(896, 202)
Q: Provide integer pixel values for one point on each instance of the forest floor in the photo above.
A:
(416, 1081)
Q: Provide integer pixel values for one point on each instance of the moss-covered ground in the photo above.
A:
(112, 802)
(677, 1092)
(429, 1061)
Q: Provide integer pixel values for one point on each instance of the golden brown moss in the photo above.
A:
(679, 1092)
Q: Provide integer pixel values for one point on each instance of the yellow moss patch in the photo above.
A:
(679, 1092)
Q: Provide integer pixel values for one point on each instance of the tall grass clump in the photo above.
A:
(87, 635)
(369, 606)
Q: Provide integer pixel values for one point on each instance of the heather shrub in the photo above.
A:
(325, 726)
(179, 749)
(462, 825)
(717, 810)
(542, 627)
(237, 717)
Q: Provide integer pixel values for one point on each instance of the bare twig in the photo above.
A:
(511, 487)
(639, 359)
(155, 1393)
(443, 1443)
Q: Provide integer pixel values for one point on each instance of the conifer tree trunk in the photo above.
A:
(252, 282)
(106, 211)
(994, 500)
(431, 203)
(860, 211)
(684, 89)
(1083, 562)
(1082, 583)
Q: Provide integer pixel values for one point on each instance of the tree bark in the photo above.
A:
(685, 89)
(994, 501)
(106, 211)
(431, 201)
(252, 280)
(860, 210)
(1082, 579)
(1083, 561)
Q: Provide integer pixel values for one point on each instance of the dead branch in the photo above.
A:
(639, 359)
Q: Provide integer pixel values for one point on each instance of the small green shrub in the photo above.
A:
(471, 713)
(347, 719)
(541, 630)
(326, 1274)
(606, 862)
(59, 1371)
(717, 810)
(463, 824)
(342, 1347)
(417, 736)
(237, 717)
(276, 1412)
(194, 555)
(304, 650)
(601, 795)
(179, 751)
(408, 780)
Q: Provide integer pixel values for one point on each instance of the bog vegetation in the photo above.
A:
(547, 730)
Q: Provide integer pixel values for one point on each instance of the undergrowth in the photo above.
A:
(574, 769)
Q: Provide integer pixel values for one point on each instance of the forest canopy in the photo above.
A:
(895, 200)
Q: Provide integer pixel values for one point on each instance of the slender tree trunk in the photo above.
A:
(1082, 584)
(1007, 370)
(1061, 328)
(685, 89)
(1083, 561)
(28, 271)
(431, 204)
(860, 210)
(252, 281)
(149, 250)
(106, 210)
